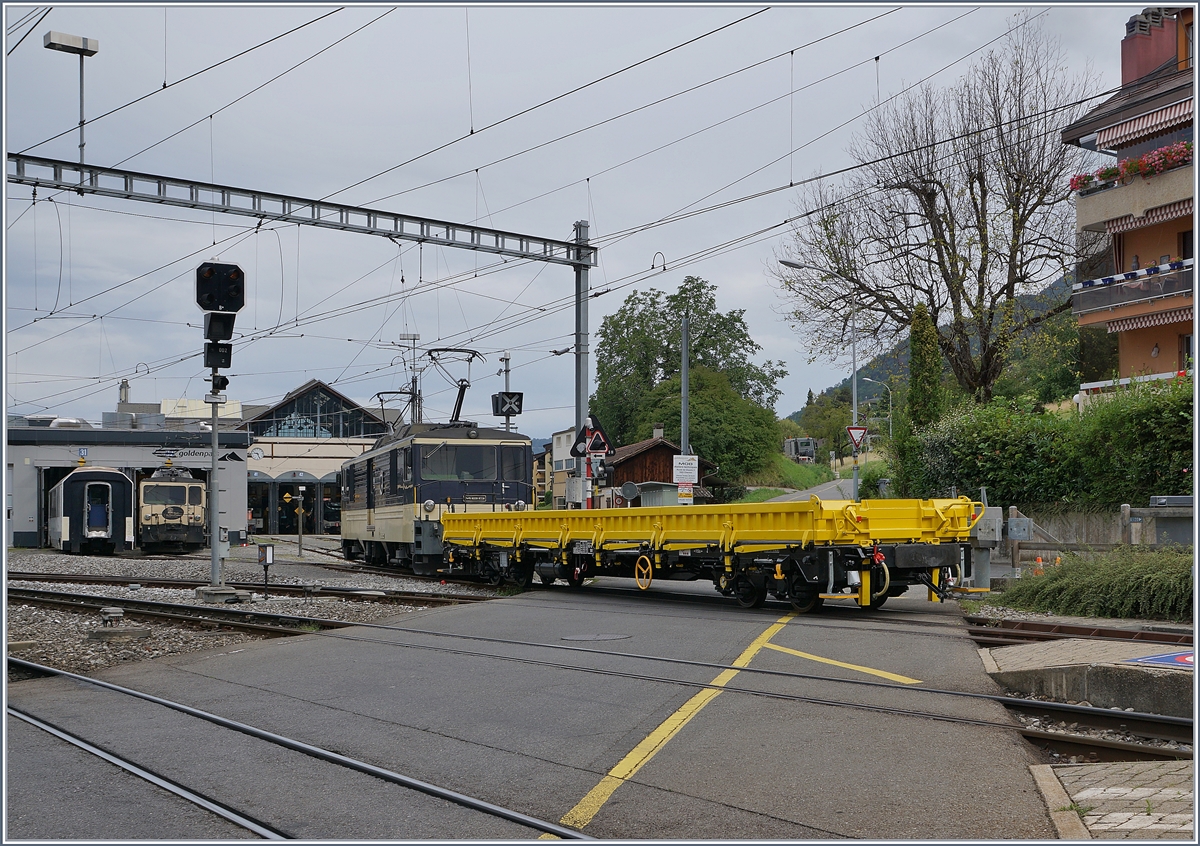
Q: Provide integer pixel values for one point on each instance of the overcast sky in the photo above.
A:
(97, 290)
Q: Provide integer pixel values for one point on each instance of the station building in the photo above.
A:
(42, 450)
(266, 454)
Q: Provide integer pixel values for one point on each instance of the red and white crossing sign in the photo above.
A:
(857, 434)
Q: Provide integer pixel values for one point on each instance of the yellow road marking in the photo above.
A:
(881, 673)
(590, 805)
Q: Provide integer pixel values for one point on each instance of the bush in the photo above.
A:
(1128, 582)
(1134, 444)
(868, 479)
(1124, 448)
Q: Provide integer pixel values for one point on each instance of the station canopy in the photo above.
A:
(315, 410)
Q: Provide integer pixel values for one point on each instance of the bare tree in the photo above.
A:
(960, 202)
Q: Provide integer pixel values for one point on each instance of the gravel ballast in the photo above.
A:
(60, 638)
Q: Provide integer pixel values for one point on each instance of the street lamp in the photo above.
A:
(82, 47)
(795, 265)
(889, 390)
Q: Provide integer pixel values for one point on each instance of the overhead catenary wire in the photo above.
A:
(742, 199)
(543, 104)
(628, 112)
(566, 302)
(643, 228)
(187, 78)
(32, 27)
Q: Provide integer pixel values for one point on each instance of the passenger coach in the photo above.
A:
(91, 510)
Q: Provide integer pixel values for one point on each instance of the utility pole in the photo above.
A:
(214, 511)
(82, 47)
(685, 446)
(854, 388)
(300, 521)
(581, 330)
(507, 417)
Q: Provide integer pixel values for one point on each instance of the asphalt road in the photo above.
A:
(591, 739)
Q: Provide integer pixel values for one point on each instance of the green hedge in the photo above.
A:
(1124, 448)
(1126, 583)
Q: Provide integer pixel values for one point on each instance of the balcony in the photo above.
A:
(1138, 286)
(1115, 200)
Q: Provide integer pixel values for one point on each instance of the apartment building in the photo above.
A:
(1142, 201)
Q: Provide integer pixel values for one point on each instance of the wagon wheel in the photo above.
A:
(643, 572)
(524, 576)
(877, 601)
(806, 598)
(576, 576)
(748, 594)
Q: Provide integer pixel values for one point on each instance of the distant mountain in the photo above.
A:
(894, 362)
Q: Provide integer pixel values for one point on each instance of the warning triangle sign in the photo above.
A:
(857, 434)
(592, 439)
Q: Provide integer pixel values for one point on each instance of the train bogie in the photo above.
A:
(91, 510)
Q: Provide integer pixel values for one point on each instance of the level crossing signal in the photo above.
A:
(507, 403)
(592, 439)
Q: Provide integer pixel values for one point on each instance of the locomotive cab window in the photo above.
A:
(195, 495)
(512, 463)
(163, 495)
(444, 462)
(405, 466)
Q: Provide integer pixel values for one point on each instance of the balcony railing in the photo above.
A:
(1137, 286)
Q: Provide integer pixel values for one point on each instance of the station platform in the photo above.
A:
(1151, 800)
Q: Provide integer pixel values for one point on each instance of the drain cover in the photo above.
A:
(596, 637)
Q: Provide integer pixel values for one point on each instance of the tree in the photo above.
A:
(924, 369)
(736, 434)
(826, 419)
(639, 348)
(789, 428)
(961, 202)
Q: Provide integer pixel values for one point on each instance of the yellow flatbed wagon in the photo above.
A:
(804, 552)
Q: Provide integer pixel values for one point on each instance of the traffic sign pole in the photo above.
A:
(588, 471)
(857, 434)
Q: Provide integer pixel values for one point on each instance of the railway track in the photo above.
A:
(1157, 730)
(1066, 742)
(321, 755)
(208, 616)
(988, 631)
(206, 802)
(305, 590)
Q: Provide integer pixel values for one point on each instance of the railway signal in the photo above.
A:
(220, 294)
(220, 287)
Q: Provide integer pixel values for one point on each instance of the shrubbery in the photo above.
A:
(1128, 582)
(1124, 448)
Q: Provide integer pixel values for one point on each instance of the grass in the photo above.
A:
(1082, 810)
(761, 495)
(1129, 582)
(782, 472)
